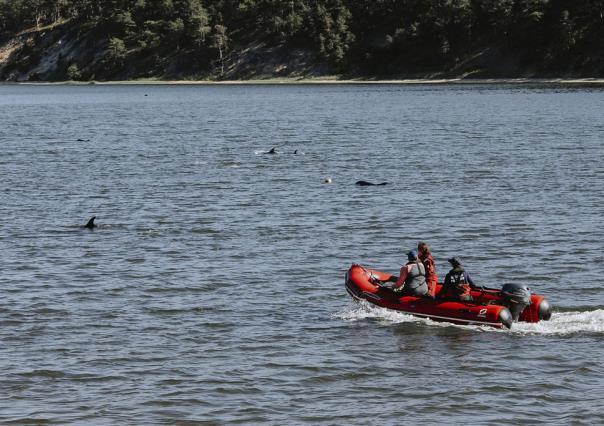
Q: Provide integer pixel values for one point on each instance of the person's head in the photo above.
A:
(455, 262)
(423, 248)
(412, 255)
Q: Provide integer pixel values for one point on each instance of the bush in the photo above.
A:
(116, 51)
(73, 72)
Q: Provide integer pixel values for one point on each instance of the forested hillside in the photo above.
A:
(230, 39)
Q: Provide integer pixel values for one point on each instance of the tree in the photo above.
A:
(116, 52)
(73, 72)
(220, 41)
(332, 30)
(197, 22)
(174, 32)
(121, 23)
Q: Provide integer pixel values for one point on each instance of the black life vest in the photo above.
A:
(459, 283)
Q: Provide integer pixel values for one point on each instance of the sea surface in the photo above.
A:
(212, 290)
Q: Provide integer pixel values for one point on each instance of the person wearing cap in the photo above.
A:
(458, 283)
(428, 262)
(412, 279)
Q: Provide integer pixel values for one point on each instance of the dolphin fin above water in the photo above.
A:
(90, 224)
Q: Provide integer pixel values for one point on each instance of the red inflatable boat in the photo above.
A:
(492, 307)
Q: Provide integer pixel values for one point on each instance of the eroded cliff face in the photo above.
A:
(64, 51)
(72, 51)
(46, 53)
(195, 39)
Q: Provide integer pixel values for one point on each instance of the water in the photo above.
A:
(212, 289)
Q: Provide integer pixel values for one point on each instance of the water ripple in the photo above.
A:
(211, 291)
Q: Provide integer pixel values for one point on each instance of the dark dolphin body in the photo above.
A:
(272, 151)
(365, 183)
(90, 224)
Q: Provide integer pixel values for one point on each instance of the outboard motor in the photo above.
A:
(516, 297)
(545, 310)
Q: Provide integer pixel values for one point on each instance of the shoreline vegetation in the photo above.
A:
(330, 80)
(275, 41)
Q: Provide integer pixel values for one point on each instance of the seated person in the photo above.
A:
(458, 283)
(424, 255)
(412, 280)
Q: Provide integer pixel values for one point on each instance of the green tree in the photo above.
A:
(332, 30)
(87, 10)
(174, 32)
(116, 52)
(220, 42)
(73, 72)
(121, 23)
(197, 22)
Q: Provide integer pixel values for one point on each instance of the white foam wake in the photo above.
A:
(363, 310)
(561, 323)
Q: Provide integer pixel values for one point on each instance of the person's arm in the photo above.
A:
(375, 280)
(401, 279)
(469, 281)
(448, 280)
(430, 270)
(446, 284)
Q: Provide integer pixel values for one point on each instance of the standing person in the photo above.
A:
(458, 283)
(412, 280)
(428, 261)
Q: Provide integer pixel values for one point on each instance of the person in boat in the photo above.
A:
(426, 258)
(458, 283)
(412, 279)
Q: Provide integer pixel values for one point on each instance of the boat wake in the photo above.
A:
(363, 310)
(561, 323)
(564, 323)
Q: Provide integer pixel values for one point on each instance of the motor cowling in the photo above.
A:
(505, 317)
(544, 312)
(516, 297)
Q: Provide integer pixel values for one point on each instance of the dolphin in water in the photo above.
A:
(365, 183)
(90, 224)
